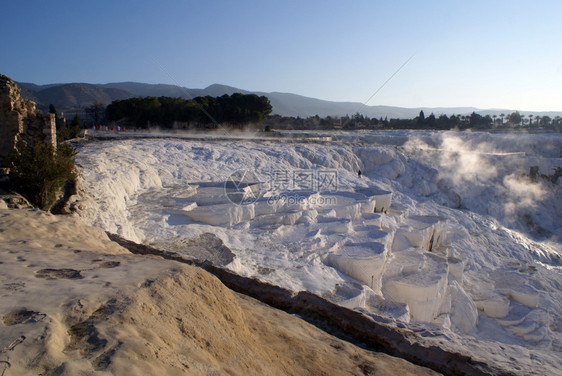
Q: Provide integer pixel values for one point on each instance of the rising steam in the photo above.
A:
(491, 177)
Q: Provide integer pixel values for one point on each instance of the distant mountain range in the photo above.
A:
(74, 97)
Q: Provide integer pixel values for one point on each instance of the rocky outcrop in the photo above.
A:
(13, 201)
(341, 322)
(74, 303)
(20, 122)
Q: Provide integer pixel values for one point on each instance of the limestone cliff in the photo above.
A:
(20, 121)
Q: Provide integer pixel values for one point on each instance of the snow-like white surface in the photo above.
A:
(442, 231)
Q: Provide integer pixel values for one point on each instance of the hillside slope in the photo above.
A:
(74, 97)
(77, 96)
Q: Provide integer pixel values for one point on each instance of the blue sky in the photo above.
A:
(487, 54)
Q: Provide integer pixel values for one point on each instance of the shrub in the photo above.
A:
(38, 172)
(68, 133)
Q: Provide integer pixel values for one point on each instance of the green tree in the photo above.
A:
(514, 118)
(237, 109)
(545, 121)
(76, 121)
(52, 109)
(72, 131)
(479, 121)
(38, 172)
(96, 112)
(421, 119)
(431, 122)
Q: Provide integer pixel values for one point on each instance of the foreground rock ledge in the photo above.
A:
(74, 302)
(344, 323)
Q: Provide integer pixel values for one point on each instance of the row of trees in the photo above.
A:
(236, 109)
(476, 121)
(239, 109)
(473, 121)
(442, 122)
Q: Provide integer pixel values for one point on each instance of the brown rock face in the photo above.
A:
(20, 122)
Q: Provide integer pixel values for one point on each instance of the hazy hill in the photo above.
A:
(28, 92)
(216, 90)
(138, 89)
(74, 97)
(164, 90)
(287, 104)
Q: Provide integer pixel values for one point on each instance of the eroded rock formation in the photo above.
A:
(20, 122)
